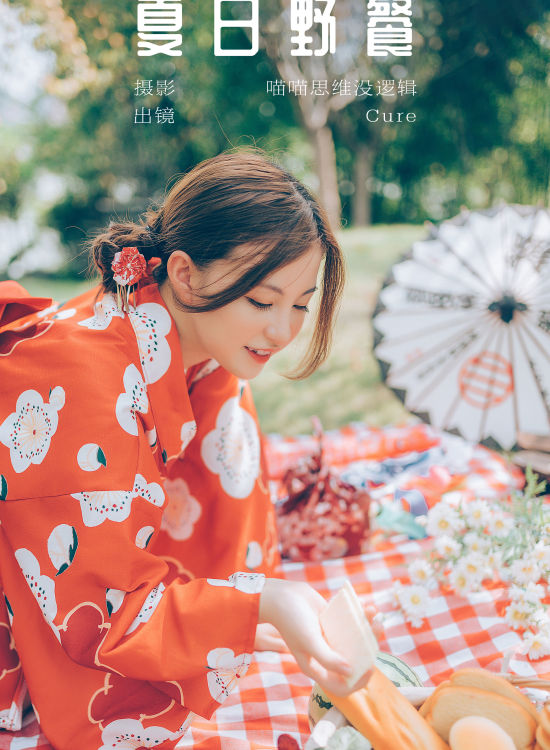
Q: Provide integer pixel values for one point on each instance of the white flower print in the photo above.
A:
(90, 457)
(65, 313)
(225, 669)
(143, 536)
(47, 310)
(114, 599)
(10, 718)
(182, 510)
(149, 605)
(254, 555)
(248, 583)
(28, 431)
(232, 449)
(132, 400)
(41, 586)
(130, 734)
(62, 546)
(114, 505)
(152, 323)
(104, 311)
(188, 432)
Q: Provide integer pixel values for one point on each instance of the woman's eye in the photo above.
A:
(302, 308)
(259, 305)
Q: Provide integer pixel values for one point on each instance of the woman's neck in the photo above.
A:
(191, 351)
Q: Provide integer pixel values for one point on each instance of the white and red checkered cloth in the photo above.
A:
(269, 706)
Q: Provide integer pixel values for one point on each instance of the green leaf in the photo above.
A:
(101, 457)
(8, 605)
(3, 487)
(393, 518)
(109, 608)
(74, 545)
(164, 456)
(62, 569)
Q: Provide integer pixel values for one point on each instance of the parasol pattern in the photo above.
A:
(462, 325)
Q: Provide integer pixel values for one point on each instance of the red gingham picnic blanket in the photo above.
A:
(271, 700)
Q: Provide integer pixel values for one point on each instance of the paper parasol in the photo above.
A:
(462, 325)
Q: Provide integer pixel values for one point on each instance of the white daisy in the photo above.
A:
(524, 570)
(530, 594)
(495, 560)
(446, 546)
(541, 554)
(477, 513)
(476, 542)
(536, 645)
(413, 600)
(442, 519)
(500, 525)
(466, 576)
(420, 572)
(518, 615)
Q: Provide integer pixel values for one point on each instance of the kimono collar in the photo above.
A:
(168, 382)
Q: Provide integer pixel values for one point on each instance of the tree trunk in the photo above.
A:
(362, 196)
(325, 161)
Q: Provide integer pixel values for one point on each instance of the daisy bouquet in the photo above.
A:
(474, 542)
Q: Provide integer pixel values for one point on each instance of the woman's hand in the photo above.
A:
(293, 608)
(268, 638)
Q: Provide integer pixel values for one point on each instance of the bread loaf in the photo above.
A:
(494, 683)
(455, 702)
(479, 733)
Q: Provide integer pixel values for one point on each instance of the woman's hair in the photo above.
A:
(236, 198)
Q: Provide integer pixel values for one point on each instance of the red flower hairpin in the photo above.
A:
(128, 267)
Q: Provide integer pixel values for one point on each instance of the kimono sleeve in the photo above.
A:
(112, 605)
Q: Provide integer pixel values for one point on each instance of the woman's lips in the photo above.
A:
(259, 355)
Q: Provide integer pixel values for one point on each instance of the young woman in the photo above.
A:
(137, 538)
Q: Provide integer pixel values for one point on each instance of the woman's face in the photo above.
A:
(244, 334)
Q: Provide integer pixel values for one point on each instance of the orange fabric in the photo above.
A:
(133, 493)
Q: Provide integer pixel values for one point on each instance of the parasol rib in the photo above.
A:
(514, 259)
(458, 398)
(418, 333)
(497, 284)
(468, 329)
(515, 409)
(440, 272)
(466, 265)
(542, 392)
(442, 373)
(492, 380)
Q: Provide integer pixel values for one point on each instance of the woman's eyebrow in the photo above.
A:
(280, 291)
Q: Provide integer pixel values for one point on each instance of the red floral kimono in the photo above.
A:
(135, 525)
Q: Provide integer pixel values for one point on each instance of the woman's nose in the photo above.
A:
(279, 330)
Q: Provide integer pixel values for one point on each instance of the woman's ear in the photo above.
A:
(181, 270)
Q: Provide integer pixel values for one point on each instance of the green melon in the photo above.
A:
(393, 667)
